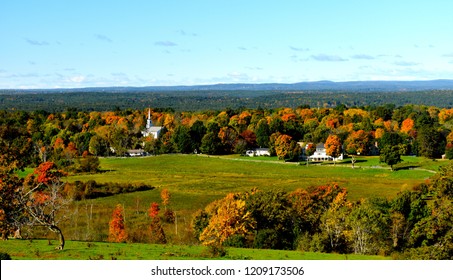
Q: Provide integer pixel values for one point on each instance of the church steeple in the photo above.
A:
(150, 128)
(148, 121)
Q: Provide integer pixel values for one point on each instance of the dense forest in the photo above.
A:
(70, 141)
(97, 99)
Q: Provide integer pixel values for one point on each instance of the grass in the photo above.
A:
(78, 250)
(216, 176)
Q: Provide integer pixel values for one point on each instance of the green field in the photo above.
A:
(196, 180)
(78, 250)
(216, 176)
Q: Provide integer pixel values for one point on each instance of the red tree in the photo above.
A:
(153, 210)
(156, 230)
(42, 198)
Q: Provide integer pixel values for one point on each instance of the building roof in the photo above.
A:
(154, 129)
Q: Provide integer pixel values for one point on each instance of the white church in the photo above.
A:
(150, 128)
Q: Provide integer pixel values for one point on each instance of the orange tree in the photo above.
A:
(156, 230)
(117, 228)
(333, 146)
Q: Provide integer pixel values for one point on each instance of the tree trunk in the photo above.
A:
(58, 231)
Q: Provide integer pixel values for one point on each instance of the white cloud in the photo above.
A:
(363, 56)
(36, 42)
(328, 58)
(77, 79)
(406, 63)
(165, 44)
(102, 37)
(297, 49)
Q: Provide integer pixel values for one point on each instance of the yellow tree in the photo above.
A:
(230, 217)
(333, 221)
(165, 195)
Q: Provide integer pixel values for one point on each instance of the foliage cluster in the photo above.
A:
(74, 139)
(323, 219)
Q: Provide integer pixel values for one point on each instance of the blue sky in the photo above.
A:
(61, 44)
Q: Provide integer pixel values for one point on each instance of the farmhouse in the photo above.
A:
(150, 129)
(320, 154)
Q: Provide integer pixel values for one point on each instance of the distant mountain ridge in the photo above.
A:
(355, 86)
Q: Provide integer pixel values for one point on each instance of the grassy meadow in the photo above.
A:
(194, 181)
(81, 250)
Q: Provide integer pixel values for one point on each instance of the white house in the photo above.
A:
(320, 154)
(150, 129)
(258, 152)
(135, 153)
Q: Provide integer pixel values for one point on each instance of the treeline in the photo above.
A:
(74, 139)
(99, 100)
(414, 225)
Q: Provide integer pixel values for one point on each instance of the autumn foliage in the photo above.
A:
(117, 227)
(333, 146)
(229, 217)
(153, 211)
(47, 172)
(156, 231)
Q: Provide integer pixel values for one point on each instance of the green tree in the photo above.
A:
(14, 156)
(181, 139)
(433, 236)
(274, 220)
(197, 131)
(87, 164)
(11, 212)
(442, 182)
(391, 155)
(262, 133)
(407, 209)
(211, 144)
(367, 225)
(430, 142)
(98, 146)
